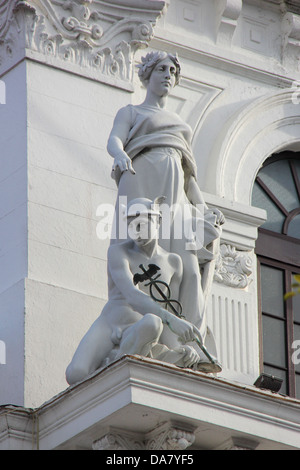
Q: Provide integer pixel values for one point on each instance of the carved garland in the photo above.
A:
(82, 33)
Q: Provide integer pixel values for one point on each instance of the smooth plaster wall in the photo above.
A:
(13, 233)
(69, 120)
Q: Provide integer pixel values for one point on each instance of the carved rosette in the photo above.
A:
(83, 34)
(233, 267)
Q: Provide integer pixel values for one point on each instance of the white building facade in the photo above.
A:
(66, 68)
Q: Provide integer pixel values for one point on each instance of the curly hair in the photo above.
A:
(148, 63)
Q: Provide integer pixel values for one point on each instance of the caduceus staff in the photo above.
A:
(154, 283)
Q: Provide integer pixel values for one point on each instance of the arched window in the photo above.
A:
(277, 190)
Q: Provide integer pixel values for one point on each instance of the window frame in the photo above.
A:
(288, 320)
(287, 259)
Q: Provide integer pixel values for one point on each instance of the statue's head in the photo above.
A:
(144, 206)
(151, 60)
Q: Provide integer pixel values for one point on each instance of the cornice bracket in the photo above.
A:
(228, 13)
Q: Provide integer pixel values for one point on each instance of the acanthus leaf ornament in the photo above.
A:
(166, 436)
(83, 36)
(233, 267)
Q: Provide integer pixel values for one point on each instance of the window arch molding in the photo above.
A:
(267, 126)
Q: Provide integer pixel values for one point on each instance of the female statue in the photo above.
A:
(152, 155)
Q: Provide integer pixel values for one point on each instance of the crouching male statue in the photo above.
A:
(131, 321)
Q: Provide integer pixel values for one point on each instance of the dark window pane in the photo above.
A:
(275, 218)
(281, 374)
(272, 290)
(274, 343)
(279, 179)
(294, 228)
(298, 386)
(297, 166)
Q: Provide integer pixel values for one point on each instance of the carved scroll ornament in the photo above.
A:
(100, 36)
(233, 267)
(166, 437)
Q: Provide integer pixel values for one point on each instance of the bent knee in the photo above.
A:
(153, 325)
(76, 373)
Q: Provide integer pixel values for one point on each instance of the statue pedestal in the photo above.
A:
(141, 404)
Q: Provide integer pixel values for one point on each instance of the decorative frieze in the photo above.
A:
(117, 440)
(84, 36)
(168, 436)
(233, 267)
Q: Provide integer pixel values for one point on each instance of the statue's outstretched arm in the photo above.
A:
(118, 138)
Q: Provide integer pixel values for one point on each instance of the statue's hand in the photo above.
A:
(220, 217)
(124, 163)
(190, 357)
(185, 330)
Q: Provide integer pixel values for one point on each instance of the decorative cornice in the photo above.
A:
(92, 37)
(233, 267)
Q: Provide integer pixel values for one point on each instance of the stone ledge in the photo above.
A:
(135, 395)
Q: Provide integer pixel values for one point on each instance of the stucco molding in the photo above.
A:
(167, 436)
(118, 439)
(267, 125)
(290, 31)
(81, 36)
(170, 436)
